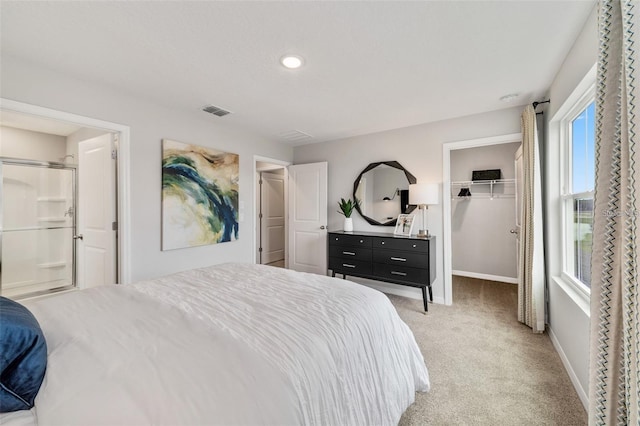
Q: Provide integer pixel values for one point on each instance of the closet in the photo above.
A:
(483, 212)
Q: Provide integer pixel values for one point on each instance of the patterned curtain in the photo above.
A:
(531, 258)
(615, 326)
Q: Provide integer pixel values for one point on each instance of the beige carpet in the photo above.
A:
(485, 367)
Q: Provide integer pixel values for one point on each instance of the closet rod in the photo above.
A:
(535, 104)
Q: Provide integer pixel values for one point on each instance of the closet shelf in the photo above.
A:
(483, 182)
(505, 187)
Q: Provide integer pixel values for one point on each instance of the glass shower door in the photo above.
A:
(37, 226)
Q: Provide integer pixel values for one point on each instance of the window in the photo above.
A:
(577, 191)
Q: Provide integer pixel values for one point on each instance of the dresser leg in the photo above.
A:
(430, 294)
(424, 299)
(333, 274)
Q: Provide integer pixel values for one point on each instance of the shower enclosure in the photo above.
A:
(37, 227)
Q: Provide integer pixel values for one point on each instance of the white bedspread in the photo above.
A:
(229, 344)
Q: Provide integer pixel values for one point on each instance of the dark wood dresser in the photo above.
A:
(392, 258)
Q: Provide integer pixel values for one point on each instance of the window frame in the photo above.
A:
(568, 198)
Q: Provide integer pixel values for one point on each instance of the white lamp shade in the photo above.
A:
(423, 193)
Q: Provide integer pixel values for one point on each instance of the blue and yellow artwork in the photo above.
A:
(199, 195)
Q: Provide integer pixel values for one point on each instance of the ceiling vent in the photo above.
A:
(294, 136)
(216, 110)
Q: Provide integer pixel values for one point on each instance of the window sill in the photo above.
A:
(579, 297)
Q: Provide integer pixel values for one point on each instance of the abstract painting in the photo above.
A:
(199, 195)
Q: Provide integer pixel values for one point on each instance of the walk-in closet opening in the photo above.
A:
(481, 208)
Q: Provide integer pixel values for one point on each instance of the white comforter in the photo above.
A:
(229, 344)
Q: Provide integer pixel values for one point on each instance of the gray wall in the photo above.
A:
(419, 150)
(480, 239)
(149, 124)
(569, 320)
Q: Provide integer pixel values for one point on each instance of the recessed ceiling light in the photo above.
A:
(291, 61)
(510, 97)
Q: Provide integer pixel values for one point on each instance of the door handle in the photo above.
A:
(78, 237)
(513, 231)
(322, 227)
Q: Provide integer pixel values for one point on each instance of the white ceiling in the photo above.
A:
(369, 66)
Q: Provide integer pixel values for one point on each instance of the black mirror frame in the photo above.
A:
(411, 178)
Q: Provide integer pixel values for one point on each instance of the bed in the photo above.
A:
(228, 344)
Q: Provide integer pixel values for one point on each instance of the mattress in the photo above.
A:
(228, 344)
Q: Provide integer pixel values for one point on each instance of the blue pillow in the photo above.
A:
(23, 357)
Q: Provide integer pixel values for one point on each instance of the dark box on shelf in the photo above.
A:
(492, 174)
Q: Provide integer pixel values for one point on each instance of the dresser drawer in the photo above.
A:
(401, 273)
(349, 240)
(402, 258)
(401, 244)
(350, 253)
(347, 266)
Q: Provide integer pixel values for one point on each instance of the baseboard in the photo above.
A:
(488, 277)
(584, 398)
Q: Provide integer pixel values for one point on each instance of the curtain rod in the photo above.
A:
(535, 104)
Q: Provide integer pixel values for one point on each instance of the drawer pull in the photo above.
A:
(399, 259)
(382, 243)
(350, 253)
(361, 241)
(414, 246)
(402, 274)
(346, 265)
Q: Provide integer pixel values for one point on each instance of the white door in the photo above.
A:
(96, 212)
(518, 210)
(272, 217)
(308, 218)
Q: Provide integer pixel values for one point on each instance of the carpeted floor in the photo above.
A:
(485, 367)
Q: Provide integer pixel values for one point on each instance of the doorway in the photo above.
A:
(271, 227)
(62, 141)
(462, 195)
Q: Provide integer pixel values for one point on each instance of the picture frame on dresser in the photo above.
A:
(404, 225)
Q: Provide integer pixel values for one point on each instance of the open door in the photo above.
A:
(272, 220)
(518, 212)
(308, 218)
(96, 236)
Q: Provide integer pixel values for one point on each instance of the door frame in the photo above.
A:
(446, 198)
(256, 189)
(122, 173)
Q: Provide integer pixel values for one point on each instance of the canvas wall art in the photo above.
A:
(199, 195)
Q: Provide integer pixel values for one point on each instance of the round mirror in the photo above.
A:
(382, 192)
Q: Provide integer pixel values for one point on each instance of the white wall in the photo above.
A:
(149, 124)
(25, 144)
(480, 239)
(568, 314)
(419, 150)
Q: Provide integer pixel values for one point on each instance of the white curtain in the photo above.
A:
(531, 304)
(614, 386)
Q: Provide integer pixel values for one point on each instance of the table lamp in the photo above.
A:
(423, 195)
